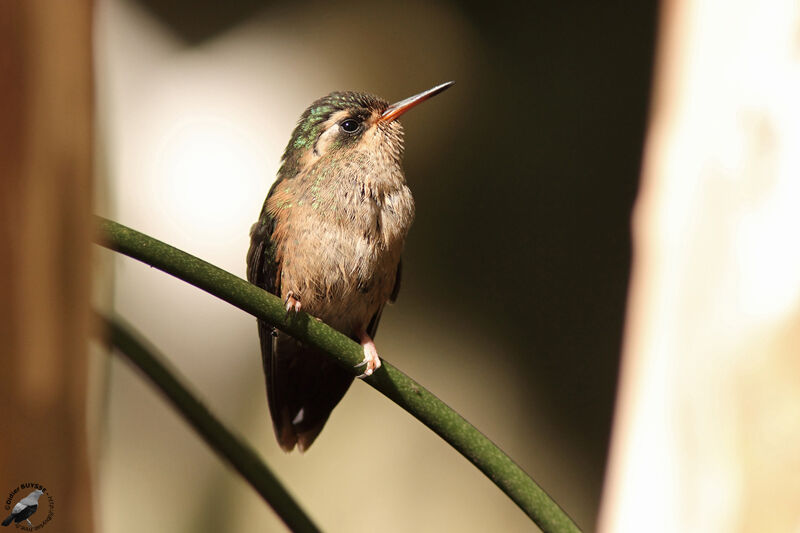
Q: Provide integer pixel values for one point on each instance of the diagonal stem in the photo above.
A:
(390, 381)
(222, 441)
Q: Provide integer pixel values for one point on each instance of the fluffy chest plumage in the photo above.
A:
(339, 236)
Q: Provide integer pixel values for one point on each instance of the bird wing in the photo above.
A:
(372, 328)
(264, 270)
(396, 288)
(31, 499)
(19, 507)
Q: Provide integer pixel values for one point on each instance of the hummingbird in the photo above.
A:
(328, 242)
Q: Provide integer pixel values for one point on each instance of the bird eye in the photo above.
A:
(350, 125)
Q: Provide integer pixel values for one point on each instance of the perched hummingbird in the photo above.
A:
(328, 241)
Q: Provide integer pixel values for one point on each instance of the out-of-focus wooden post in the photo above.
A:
(707, 429)
(45, 233)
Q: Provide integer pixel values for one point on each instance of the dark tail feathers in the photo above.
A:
(303, 387)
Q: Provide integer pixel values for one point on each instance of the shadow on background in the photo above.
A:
(515, 272)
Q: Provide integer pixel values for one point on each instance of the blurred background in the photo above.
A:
(515, 271)
(171, 118)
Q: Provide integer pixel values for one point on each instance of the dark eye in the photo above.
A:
(350, 125)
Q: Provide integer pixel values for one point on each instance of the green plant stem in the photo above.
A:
(221, 440)
(390, 381)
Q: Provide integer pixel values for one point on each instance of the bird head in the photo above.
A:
(344, 123)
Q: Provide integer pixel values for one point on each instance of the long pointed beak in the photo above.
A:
(398, 108)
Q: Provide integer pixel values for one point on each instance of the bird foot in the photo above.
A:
(292, 303)
(29, 522)
(371, 359)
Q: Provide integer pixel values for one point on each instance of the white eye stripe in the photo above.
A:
(325, 139)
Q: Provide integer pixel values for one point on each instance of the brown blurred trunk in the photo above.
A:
(45, 225)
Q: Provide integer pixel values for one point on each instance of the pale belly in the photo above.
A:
(343, 276)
